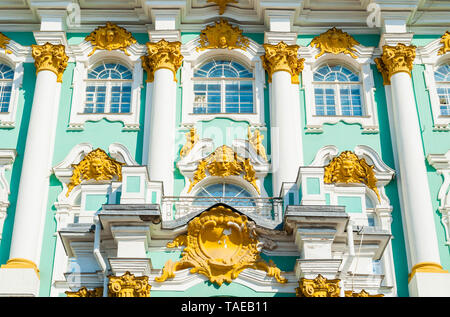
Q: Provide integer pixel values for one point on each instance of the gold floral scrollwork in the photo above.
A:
(445, 40)
(222, 35)
(128, 285)
(255, 139)
(222, 4)
(162, 54)
(110, 37)
(84, 292)
(282, 57)
(383, 70)
(224, 162)
(4, 40)
(50, 57)
(191, 138)
(335, 41)
(348, 168)
(318, 287)
(363, 293)
(96, 165)
(396, 59)
(220, 244)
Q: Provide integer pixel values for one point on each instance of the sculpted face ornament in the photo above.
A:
(110, 37)
(335, 41)
(222, 35)
(219, 244)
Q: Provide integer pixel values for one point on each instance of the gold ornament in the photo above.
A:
(383, 70)
(84, 292)
(162, 54)
(224, 162)
(191, 138)
(363, 293)
(282, 57)
(222, 35)
(222, 4)
(445, 40)
(4, 40)
(318, 287)
(220, 244)
(396, 59)
(255, 140)
(96, 165)
(128, 285)
(348, 168)
(335, 41)
(50, 57)
(110, 37)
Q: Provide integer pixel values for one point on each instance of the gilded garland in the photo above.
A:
(84, 292)
(96, 165)
(335, 41)
(222, 35)
(282, 57)
(219, 244)
(348, 168)
(110, 37)
(191, 138)
(224, 162)
(255, 139)
(445, 40)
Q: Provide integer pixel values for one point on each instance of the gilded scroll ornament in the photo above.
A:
(128, 285)
(255, 140)
(50, 57)
(222, 35)
(363, 293)
(282, 57)
(191, 138)
(396, 59)
(383, 70)
(84, 292)
(4, 40)
(348, 168)
(220, 244)
(335, 41)
(445, 40)
(96, 165)
(222, 4)
(318, 287)
(110, 37)
(162, 54)
(224, 162)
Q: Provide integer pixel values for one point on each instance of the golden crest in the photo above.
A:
(222, 35)
(222, 4)
(162, 54)
(282, 57)
(191, 138)
(318, 287)
(445, 40)
(363, 293)
(84, 292)
(255, 140)
(224, 162)
(4, 40)
(110, 37)
(335, 41)
(220, 244)
(128, 285)
(348, 168)
(96, 165)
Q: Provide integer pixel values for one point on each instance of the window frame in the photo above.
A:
(440, 122)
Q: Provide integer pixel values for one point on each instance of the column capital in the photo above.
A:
(395, 59)
(50, 57)
(282, 57)
(162, 54)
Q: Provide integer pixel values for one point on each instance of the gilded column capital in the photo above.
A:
(128, 285)
(282, 57)
(162, 54)
(396, 59)
(50, 57)
(318, 287)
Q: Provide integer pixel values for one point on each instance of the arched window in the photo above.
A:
(108, 89)
(442, 78)
(6, 83)
(337, 92)
(229, 194)
(223, 86)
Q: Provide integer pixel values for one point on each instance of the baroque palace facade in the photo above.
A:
(224, 148)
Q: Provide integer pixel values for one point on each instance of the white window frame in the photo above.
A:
(250, 58)
(362, 67)
(84, 63)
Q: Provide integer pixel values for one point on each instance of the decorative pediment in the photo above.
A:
(222, 35)
(220, 243)
(335, 41)
(110, 37)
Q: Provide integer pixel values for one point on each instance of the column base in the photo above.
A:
(429, 280)
(19, 282)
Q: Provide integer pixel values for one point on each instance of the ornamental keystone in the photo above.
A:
(162, 54)
(282, 57)
(50, 57)
(396, 59)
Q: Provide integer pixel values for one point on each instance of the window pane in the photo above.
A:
(325, 101)
(444, 100)
(350, 101)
